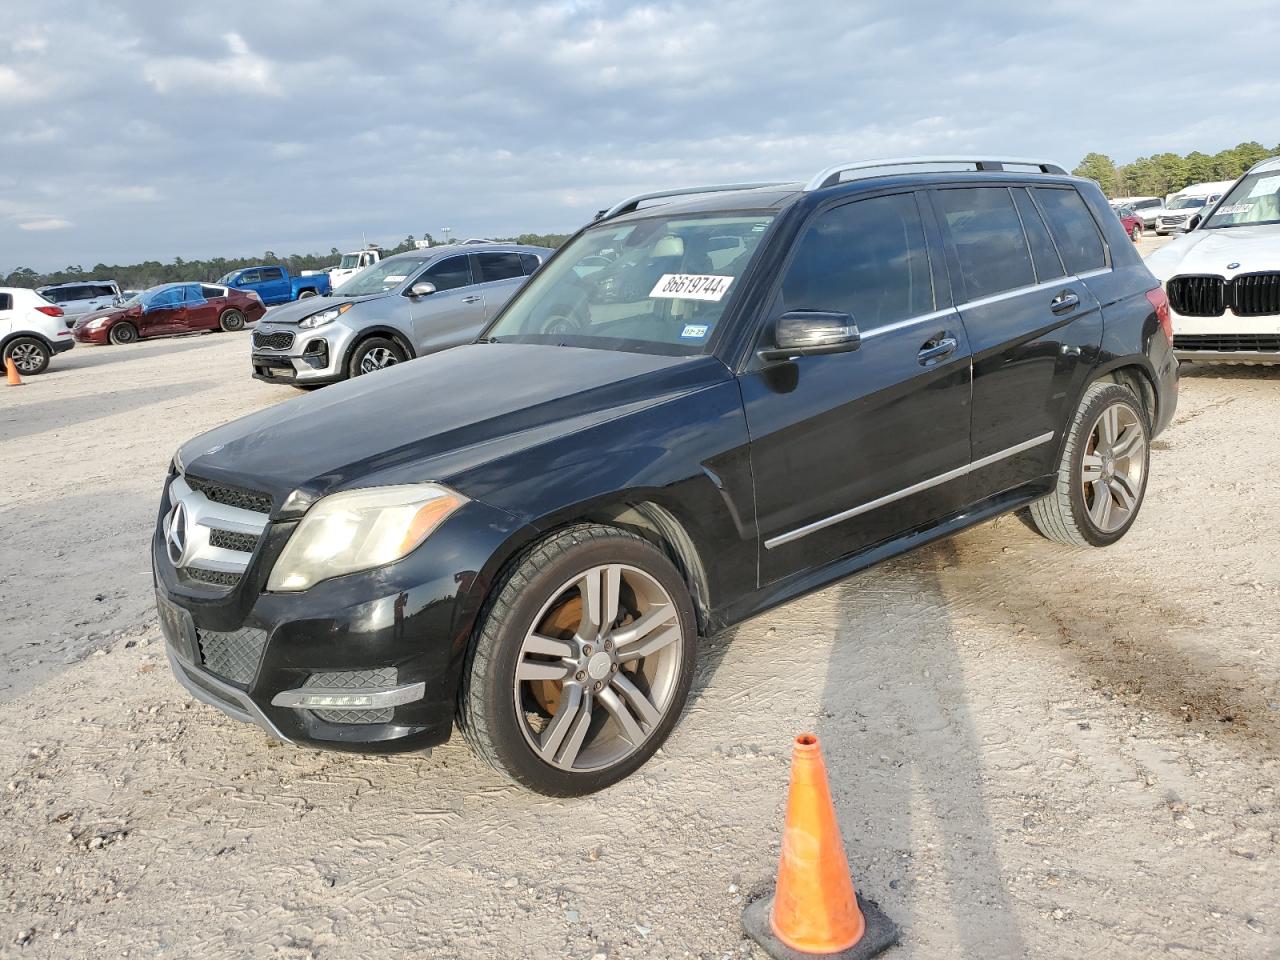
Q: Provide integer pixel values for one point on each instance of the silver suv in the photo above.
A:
(402, 307)
(82, 296)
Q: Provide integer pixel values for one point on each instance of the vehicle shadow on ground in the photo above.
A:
(44, 415)
(85, 356)
(915, 750)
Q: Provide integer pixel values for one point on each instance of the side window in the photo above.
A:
(212, 292)
(1073, 228)
(499, 266)
(192, 293)
(167, 298)
(251, 276)
(1043, 254)
(867, 258)
(102, 290)
(530, 262)
(6, 301)
(272, 273)
(449, 274)
(988, 239)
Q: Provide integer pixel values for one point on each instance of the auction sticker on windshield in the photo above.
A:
(691, 286)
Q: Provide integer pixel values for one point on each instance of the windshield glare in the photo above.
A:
(658, 285)
(382, 277)
(1255, 200)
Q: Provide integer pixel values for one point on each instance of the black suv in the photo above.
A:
(528, 534)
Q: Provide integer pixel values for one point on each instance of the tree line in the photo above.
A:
(139, 276)
(1165, 173)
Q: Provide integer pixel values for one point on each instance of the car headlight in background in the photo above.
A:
(360, 529)
(324, 316)
(96, 324)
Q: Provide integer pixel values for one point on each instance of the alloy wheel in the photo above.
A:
(1112, 471)
(599, 669)
(27, 357)
(377, 359)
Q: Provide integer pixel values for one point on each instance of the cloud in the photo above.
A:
(48, 223)
(242, 70)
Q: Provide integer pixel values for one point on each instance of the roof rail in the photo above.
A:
(631, 203)
(862, 169)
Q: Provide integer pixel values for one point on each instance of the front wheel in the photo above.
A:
(123, 332)
(1102, 476)
(29, 355)
(231, 320)
(374, 354)
(582, 662)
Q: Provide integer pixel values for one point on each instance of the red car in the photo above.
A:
(168, 309)
(1132, 222)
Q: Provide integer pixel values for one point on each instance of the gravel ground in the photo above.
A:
(1035, 751)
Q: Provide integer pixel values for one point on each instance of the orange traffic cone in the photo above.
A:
(814, 911)
(12, 371)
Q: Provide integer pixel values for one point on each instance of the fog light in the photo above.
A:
(332, 700)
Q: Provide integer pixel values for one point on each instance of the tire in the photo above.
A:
(1076, 512)
(123, 332)
(30, 355)
(373, 354)
(231, 320)
(526, 728)
(306, 294)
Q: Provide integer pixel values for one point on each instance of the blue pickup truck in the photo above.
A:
(274, 285)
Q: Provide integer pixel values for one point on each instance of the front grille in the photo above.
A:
(233, 656)
(231, 540)
(1229, 342)
(384, 677)
(1197, 296)
(219, 578)
(231, 496)
(276, 340)
(1170, 221)
(1256, 294)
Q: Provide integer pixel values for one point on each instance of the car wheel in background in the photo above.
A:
(231, 320)
(306, 294)
(29, 355)
(1102, 476)
(124, 332)
(581, 663)
(376, 353)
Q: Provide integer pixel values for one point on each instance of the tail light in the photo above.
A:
(50, 311)
(1160, 304)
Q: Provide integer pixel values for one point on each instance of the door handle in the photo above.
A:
(470, 299)
(931, 351)
(1065, 301)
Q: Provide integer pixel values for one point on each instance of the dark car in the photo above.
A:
(1131, 221)
(527, 535)
(168, 309)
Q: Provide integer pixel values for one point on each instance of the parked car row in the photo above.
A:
(170, 308)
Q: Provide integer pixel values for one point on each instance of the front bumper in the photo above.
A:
(311, 356)
(1227, 338)
(97, 336)
(394, 638)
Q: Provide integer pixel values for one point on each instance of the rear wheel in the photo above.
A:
(582, 662)
(376, 353)
(306, 294)
(124, 332)
(231, 320)
(1102, 476)
(29, 355)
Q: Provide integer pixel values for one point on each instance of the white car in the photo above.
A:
(1223, 276)
(32, 330)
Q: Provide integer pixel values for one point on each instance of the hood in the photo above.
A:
(291, 313)
(1213, 251)
(438, 416)
(110, 312)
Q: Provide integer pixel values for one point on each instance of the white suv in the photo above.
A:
(1223, 275)
(32, 330)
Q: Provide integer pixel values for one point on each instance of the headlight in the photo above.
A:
(96, 323)
(359, 530)
(177, 461)
(324, 316)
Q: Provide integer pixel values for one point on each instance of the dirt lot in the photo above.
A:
(1035, 751)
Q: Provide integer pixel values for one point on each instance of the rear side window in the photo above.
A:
(101, 290)
(272, 273)
(498, 266)
(1073, 228)
(449, 274)
(868, 259)
(211, 292)
(530, 263)
(1043, 254)
(6, 301)
(988, 239)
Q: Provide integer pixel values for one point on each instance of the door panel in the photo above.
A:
(852, 449)
(453, 314)
(201, 313)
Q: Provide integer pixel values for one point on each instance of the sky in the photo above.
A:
(138, 129)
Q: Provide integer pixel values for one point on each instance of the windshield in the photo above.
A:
(1186, 203)
(657, 285)
(382, 277)
(1254, 200)
(349, 261)
(226, 277)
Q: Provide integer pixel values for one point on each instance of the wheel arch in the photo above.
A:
(378, 330)
(1138, 378)
(19, 334)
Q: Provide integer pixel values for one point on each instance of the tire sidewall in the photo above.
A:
(508, 636)
(45, 355)
(235, 323)
(118, 328)
(1100, 401)
(372, 343)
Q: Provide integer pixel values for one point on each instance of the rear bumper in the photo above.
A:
(63, 344)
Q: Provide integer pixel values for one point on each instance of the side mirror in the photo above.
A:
(1194, 222)
(422, 289)
(800, 333)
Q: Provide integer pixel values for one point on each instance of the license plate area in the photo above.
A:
(179, 629)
